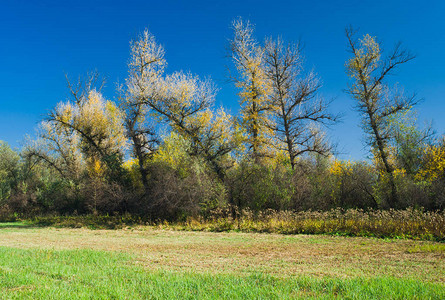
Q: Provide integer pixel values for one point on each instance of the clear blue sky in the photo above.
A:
(42, 40)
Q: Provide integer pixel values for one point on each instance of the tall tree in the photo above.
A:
(181, 101)
(377, 102)
(298, 108)
(145, 68)
(186, 103)
(256, 110)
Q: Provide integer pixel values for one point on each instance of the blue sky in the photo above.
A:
(42, 40)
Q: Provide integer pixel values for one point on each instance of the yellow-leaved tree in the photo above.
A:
(95, 127)
(182, 102)
(254, 85)
(145, 69)
(433, 167)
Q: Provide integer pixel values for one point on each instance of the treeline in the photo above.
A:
(162, 150)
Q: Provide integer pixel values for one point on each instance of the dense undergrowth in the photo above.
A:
(409, 223)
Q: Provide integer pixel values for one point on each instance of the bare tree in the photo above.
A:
(80, 89)
(376, 101)
(297, 107)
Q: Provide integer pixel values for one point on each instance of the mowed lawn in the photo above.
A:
(150, 263)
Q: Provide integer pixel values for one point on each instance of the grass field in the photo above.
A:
(149, 263)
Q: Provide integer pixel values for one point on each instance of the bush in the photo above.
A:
(261, 187)
(176, 194)
(352, 185)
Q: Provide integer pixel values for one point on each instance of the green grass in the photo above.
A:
(19, 224)
(150, 263)
(434, 248)
(88, 274)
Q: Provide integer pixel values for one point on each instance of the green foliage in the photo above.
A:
(89, 221)
(259, 187)
(9, 171)
(409, 142)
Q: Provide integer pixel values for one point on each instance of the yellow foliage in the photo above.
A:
(366, 59)
(95, 168)
(340, 167)
(172, 151)
(280, 157)
(102, 120)
(435, 164)
(399, 172)
(255, 88)
(131, 166)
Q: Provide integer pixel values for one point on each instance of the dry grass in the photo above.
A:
(407, 223)
(245, 253)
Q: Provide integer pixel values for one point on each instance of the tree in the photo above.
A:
(433, 162)
(97, 124)
(409, 142)
(58, 148)
(9, 170)
(256, 110)
(58, 145)
(181, 101)
(186, 103)
(298, 110)
(145, 69)
(376, 100)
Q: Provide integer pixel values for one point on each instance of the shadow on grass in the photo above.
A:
(21, 225)
(83, 221)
